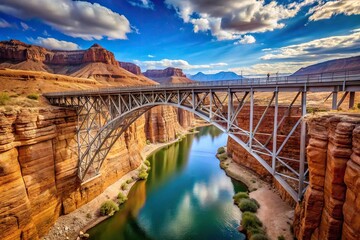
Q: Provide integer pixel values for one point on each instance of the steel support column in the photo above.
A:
(334, 100)
(251, 118)
(351, 100)
(302, 145)
(274, 150)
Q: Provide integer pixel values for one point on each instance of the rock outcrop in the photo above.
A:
(330, 208)
(95, 62)
(168, 75)
(38, 165)
(131, 67)
(16, 51)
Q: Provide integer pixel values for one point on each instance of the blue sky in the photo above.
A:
(246, 36)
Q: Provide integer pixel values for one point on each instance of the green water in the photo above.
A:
(187, 196)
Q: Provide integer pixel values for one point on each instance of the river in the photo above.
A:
(186, 196)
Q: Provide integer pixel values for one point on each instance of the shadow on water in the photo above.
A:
(187, 196)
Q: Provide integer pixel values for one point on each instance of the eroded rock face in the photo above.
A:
(131, 67)
(16, 51)
(330, 208)
(167, 72)
(38, 166)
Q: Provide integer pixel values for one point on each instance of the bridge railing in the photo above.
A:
(324, 77)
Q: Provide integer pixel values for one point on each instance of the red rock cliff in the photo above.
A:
(330, 208)
(16, 51)
(131, 67)
(167, 72)
(38, 166)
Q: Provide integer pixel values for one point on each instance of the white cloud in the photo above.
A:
(4, 23)
(150, 56)
(246, 39)
(26, 27)
(229, 19)
(142, 3)
(272, 68)
(52, 43)
(74, 18)
(326, 10)
(323, 48)
(177, 63)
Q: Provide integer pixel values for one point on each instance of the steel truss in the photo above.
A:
(104, 115)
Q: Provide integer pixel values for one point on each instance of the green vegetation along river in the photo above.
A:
(187, 196)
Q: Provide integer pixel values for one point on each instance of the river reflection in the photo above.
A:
(187, 196)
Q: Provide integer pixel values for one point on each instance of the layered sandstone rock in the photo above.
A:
(16, 51)
(94, 63)
(329, 209)
(131, 67)
(168, 75)
(38, 165)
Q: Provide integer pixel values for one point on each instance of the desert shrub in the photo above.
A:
(147, 163)
(33, 96)
(129, 181)
(259, 236)
(148, 142)
(88, 215)
(358, 105)
(281, 237)
(143, 173)
(108, 207)
(121, 198)
(4, 97)
(223, 165)
(246, 205)
(221, 150)
(124, 186)
(250, 221)
(256, 202)
(222, 157)
(240, 195)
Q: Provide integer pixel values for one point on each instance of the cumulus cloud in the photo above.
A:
(4, 23)
(228, 19)
(74, 18)
(262, 69)
(326, 10)
(52, 43)
(246, 39)
(323, 48)
(177, 63)
(142, 3)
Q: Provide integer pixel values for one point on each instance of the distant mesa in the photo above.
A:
(131, 67)
(343, 64)
(215, 77)
(167, 75)
(96, 62)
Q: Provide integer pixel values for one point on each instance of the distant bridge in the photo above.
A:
(104, 114)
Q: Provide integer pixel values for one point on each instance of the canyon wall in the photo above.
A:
(331, 205)
(38, 165)
(16, 51)
(264, 134)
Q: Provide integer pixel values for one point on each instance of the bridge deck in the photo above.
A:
(340, 81)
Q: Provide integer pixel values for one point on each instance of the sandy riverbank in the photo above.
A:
(275, 214)
(68, 226)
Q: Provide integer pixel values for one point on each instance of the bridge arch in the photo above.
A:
(103, 115)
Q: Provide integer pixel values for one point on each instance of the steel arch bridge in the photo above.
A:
(104, 114)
